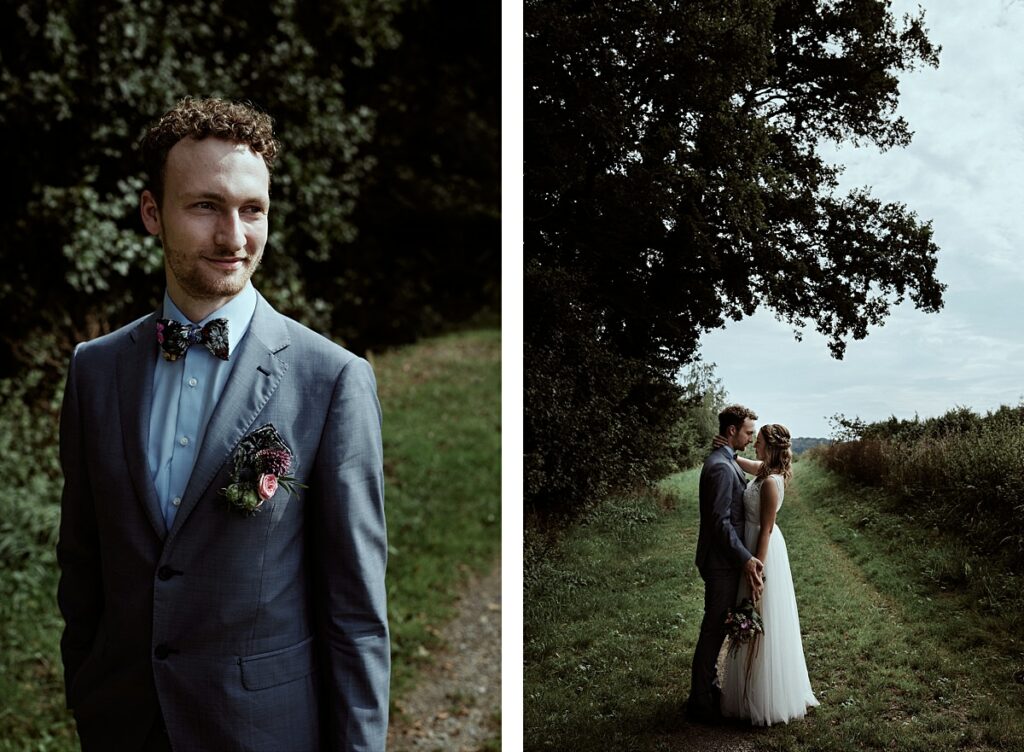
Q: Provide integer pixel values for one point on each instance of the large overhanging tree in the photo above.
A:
(673, 181)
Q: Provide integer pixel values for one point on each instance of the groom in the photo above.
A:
(721, 556)
(222, 542)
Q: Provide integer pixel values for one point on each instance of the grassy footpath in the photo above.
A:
(442, 411)
(902, 655)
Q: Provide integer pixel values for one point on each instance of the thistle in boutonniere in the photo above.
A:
(260, 465)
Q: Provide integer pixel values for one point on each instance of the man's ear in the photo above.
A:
(150, 211)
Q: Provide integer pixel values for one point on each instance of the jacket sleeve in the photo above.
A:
(721, 513)
(349, 556)
(80, 590)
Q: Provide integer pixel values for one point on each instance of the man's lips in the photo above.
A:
(227, 263)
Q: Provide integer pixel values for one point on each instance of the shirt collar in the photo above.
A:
(238, 311)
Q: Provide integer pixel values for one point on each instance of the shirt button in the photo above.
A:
(192, 382)
(176, 501)
(183, 441)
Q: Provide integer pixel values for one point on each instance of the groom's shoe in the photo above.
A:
(704, 716)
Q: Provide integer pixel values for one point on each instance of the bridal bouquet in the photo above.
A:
(743, 624)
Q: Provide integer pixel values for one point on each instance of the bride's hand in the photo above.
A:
(754, 570)
(719, 441)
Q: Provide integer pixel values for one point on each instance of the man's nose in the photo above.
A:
(230, 232)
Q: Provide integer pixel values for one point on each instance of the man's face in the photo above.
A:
(213, 220)
(741, 439)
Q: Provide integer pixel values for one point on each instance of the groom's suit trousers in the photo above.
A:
(720, 589)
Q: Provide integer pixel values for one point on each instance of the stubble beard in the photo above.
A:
(201, 282)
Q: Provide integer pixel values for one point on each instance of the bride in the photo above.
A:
(766, 679)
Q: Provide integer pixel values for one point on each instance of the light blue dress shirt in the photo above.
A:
(185, 392)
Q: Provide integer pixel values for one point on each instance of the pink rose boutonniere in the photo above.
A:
(267, 486)
(260, 464)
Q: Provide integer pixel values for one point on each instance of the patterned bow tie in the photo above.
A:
(175, 338)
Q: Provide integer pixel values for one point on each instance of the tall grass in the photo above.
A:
(960, 469)
(442, 438)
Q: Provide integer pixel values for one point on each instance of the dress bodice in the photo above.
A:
(752, 501)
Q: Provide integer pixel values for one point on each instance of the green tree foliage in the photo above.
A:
(429, 241)
(673, 181)
(595, 420)
(703, 398)
(80, 82)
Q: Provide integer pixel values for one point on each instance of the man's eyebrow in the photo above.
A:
(220, 198)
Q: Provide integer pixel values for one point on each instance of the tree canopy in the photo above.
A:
(674, 181)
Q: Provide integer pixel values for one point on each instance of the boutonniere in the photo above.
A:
(260, 464)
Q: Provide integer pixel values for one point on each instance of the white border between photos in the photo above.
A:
(512, 375)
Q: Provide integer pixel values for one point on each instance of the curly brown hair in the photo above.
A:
(199, 118)
(778, 452)
(734, 415)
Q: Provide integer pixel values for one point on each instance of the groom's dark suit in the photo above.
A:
(720, 559)
(266, 632)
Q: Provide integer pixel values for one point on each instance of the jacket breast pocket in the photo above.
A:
(277, 667)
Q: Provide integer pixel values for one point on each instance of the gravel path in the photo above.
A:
(456, 704)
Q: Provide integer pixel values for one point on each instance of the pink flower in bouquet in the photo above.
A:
(160, 333)
(267, 485)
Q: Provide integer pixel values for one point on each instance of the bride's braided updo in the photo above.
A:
(778, 452)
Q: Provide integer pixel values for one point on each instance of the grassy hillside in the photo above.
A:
(441, 402)
(900, 659)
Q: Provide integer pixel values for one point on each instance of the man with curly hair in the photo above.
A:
(222, 542)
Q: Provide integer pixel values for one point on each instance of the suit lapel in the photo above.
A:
(739, 470)
(135, 365)
(255, 377)
(727, 453)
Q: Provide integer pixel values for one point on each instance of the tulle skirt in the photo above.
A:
(769, 684)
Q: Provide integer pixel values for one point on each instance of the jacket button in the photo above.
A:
(162, 651)
(165, 572)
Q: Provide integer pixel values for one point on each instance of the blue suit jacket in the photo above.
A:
(247, 633)
(720, 541)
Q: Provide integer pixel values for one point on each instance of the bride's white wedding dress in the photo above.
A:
(777, 688)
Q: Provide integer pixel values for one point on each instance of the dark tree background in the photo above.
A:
(384, 221)
(673, 181)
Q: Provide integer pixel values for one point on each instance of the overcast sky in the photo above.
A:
(964, 170)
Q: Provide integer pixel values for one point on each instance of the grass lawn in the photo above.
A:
(907, 648)
(442, 438)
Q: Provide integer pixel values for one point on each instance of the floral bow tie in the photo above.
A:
(175, 338)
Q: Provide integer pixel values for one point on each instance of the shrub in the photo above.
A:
(959, 469)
